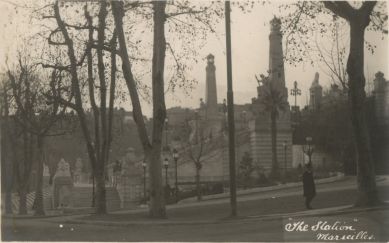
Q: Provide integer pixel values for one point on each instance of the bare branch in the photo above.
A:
(340, 8)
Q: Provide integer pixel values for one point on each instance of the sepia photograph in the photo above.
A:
(194, 121)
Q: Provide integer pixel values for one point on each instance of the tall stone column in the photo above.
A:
(211, 92)
(276, 62)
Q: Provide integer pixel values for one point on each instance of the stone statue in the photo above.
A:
(46, 171)
(63, 168)
(63, 185)
(275, 24)
(316, 80)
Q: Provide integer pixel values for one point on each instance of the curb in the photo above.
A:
(347, 209)
(264, 189)
(339, 210)
(144, 223)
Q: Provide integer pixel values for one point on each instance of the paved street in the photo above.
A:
(238, 230)
(260, 220)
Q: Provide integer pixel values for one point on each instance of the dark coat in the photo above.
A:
(309, 184)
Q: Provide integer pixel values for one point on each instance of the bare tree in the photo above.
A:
(362, 16)
(98, 140)
(6, 148)
(152, 149)
(195, 147)
(334, 58)
(21, 134)
(160, 16)
(37, 114)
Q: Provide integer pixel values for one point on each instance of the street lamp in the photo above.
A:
(244, 116)
(166, 132)
(308, 150)
(197, 126)
(166, 164)
(295, 92)
(144, 165)
(285, 166)
(93, 181)
(175, 157)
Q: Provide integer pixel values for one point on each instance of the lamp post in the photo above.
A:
(308, 150)
(244, 117)
(295, 92)
(144, 165)
(93, 182)
(225, 128)
(230, 106)
(225, 115)
(166, 164)
(166, 132)
(197, 126)
(175, 157)
(285, 166)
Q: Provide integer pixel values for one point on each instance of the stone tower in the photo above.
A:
(210, 91)
(381, 98)
(316, 93)
(276, 62)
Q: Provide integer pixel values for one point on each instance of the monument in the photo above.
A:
(316, 93)
(63, 185)
(210, 91)
(130, 178)
(260, 127)
(209, 111)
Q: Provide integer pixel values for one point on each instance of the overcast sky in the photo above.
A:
(250, 52)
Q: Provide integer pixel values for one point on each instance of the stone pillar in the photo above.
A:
(276, 62)
(130, 180)
(63, 186)
(211, 92)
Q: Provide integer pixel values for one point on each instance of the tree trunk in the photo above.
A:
(6, 158)
(101, 206)
(22, 200)
(8, 200)
(24, 171)
(157, 197)
(198, 186)
(152, 150)
(274, 170)
(365, 167)
(38, 202)
(157, 202)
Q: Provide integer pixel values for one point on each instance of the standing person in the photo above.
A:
(117, 169)
(309, 186)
